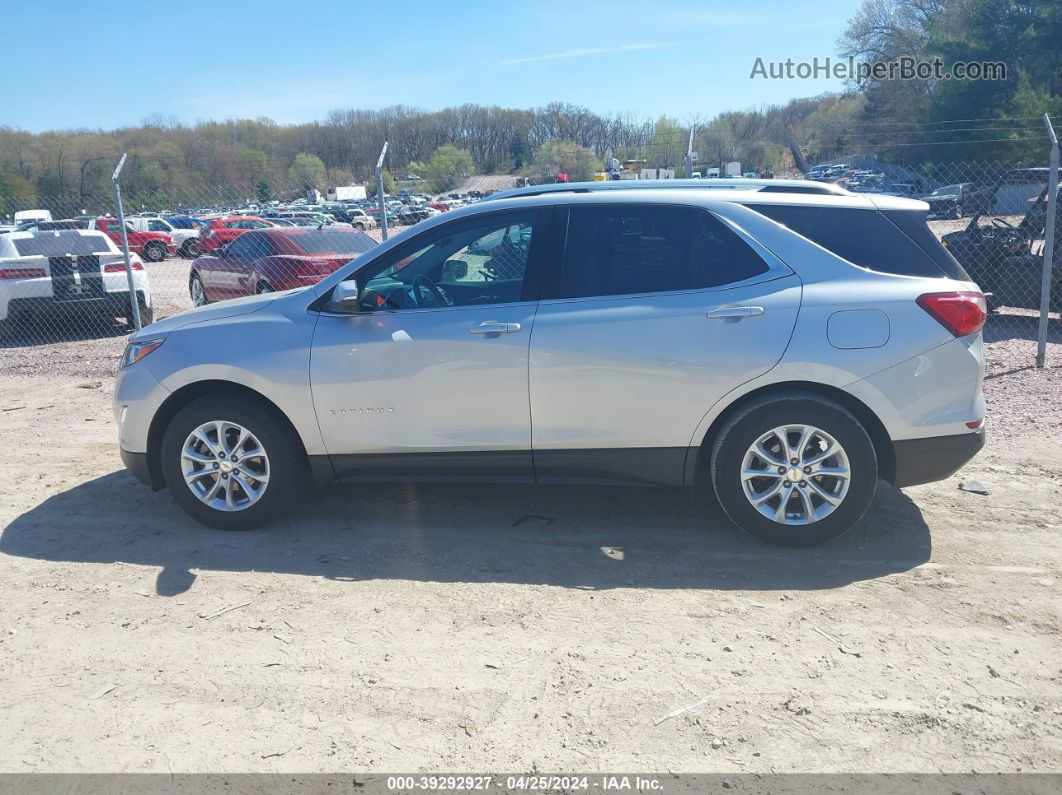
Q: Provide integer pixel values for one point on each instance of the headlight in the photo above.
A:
(135, 351)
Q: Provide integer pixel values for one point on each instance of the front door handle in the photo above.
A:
(736, 312)
(494, 327)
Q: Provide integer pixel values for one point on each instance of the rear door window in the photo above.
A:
(895, 241)
(631, 249)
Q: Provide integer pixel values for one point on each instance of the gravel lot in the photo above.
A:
(480, 628)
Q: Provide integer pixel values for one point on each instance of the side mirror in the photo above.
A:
(454, 270)
(345, 296)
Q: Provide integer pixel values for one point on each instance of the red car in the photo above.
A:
(220, 231)
(279, 258)
(151, 246)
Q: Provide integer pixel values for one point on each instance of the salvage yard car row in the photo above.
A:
(299, 243)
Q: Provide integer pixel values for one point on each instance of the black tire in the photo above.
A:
(147, 316)
(155, 252)
(193, 281)
(263, 287)
(287, 459)
(191, 248)
(759, 417)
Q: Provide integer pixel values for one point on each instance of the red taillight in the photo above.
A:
(960, 313)
(22, 273)
(119, 267)
(315, 269)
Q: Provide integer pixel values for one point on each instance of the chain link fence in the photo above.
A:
(67, 282)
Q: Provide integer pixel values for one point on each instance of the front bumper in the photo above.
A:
(935, 457)
(137, 464)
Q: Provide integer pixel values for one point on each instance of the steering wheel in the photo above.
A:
(423, 286)
(1001, 223)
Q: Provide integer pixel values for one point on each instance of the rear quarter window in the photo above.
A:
(894, 241)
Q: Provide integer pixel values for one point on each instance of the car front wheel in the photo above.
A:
(154, 252)
(232, 463)
(794, 470)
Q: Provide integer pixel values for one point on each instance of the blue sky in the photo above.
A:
(109, 64)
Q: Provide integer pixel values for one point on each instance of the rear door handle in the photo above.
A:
(736, 312)
(494, 327)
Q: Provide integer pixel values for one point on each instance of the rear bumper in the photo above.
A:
(116, 302)
(934, 458)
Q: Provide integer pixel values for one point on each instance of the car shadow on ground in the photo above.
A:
(576, 537)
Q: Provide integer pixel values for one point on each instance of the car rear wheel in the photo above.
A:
(195, 289)
(232, 463)
(263, 287)
(794, 470)
(154, 252)
(191, 248)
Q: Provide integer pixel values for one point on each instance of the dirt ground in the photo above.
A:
(483, 628)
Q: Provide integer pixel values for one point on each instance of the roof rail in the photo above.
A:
(710, 183)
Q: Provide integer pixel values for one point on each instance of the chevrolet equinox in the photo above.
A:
(784, 348)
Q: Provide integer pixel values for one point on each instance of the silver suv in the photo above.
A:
(784, 350)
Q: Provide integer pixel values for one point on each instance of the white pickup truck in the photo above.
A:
(186, 240)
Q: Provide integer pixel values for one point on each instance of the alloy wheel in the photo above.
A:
(225, 466)
(795, 474)
(198, 294)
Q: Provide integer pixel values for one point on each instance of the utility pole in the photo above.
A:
(134, 303)
(1049, 245)
(380, 190)
(689, 154)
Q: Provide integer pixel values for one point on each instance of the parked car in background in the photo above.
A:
(186, 240)
(152, 246)
(24, 216)
(783, 350)
(51, 226)
(959, 200)
(903, 190)
(221, 231)
(269, 260)
(360, 219)
(70, 272)
(413, 215)
(999, 256)
(313, 217)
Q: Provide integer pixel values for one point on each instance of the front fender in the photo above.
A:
(267, 351)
